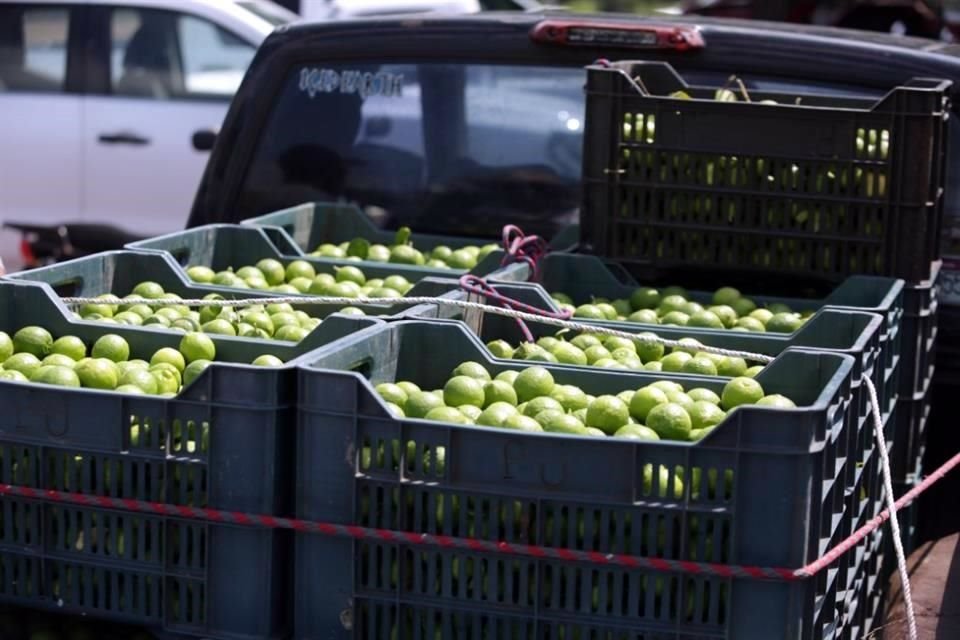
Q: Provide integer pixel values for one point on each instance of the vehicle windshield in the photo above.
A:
(444, 148)
(273, 14)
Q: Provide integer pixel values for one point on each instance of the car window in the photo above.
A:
(33, 48)
(163, 55)
(445, 148)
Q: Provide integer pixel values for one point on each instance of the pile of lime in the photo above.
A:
(403, 251)
(673, 306)
(299, 278)
(33, 355)
(612, 352)
(277, 321)
(530, 400)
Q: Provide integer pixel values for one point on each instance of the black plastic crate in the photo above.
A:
(812, 188)
(920, 329)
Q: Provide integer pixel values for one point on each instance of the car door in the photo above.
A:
(166, 76)
(40, 117)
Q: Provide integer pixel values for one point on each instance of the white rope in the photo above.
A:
(576, 326)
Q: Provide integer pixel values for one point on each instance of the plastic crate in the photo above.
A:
(784, 507)
(912, 416)
(920, 327)
(813, 188)
(220, 246)
(311, 224)
(118, 272)
(584, 277)
(224, 442)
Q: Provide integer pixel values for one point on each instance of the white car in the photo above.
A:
(100, 103)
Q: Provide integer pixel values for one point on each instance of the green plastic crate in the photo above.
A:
(224, 442)
(783, 505)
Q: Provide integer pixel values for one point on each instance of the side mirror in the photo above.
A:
(203, 140)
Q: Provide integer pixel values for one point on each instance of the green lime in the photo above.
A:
(608, 310)
(763, 315)
(473, 370)
(302, 285)
(670, 421)
(157, 320)
(653, 366)
(59, 360)
(540, 404)
(752, 372)
(636, 432)
(509, 376)
(706, 319)
(33, 340)
(779, 307)
(70, 346)
(350, 274)
(784, 323)
(715, 358)
(129, 318)
(328, 250)
(726, 314)
(704, 415)
(675, 291)
(500, 349)
(405, 254)
(674, 362)
(726, 295)
(498, 391)
(571, 398)
(112, 347)
(522, 423)
(667, 386)
(622, 308)
(664, 481)
(562, 423)
(408, 387)
(589, 312)
(391, 392)
(299, 269)
(597, 352)
(626, 396)
(291, 333)
(614, 343)
(132, 364)
(397, 283)
(705, 395)
(441, 252)
(533, 382)
(446, 414)
(168, 380)
(644, 298)
(566, 353)
(197, 346)
(272, 270)
(6, 346)
(470, 411)
(561, 298)
(740, 391)
(170, 356)
(692, 308)
(267, 360)
(584, 341)
(419, 403)
(200, 274)
(607, 413)
(671, 303)
(462, 259)
(743, 306)
(13, 376)
(675, 318)
(700, 366)
(148, 290)
(731, 367)
(496, 414)
(680, 398)
(250, 273)
(548, 342)
(97, 310)
(56, 375)
(463, 390)
(193, 371)
(219, 326)
(644, 316)
(644, 400)
(750, 324)
(699, 434)
(548, 415)
(609, 363)
(140, 378)
(130, 388)
(322, 285)
(776, 400)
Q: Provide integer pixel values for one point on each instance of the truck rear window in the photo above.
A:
(444, 148)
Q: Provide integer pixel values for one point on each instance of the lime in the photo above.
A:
(441, 252)
(248, 273)
(784, 323)
(498, 391)
(267, 360)
(148, 290)
(626, 396)
(715, 358)
(584, 341)
(112, 347)
(219, 326)
(60, 360)
(533, 382)
(776, 400)
(291, 333)
(675, 318)
(609, 363)
(571, 398)
(350, 274)
(613, 343)
(200, 274)
(299, 269)
(562, 423)
(680, 398)
(162, 321)
(705, 395)
(446, 414)
(13, 376)
(168, 380)
(589, 312)
(330, 251)
(726, 295)
(272, 270)
(622, 308)
(462, 259)
(743, 306)
(419, 403)
(707, 319)
(779, 307)
(753, 371)
(763, 315)
(70, 346)
(644, 400)
(740, 391)
(674, 362)
(56, 375)
(140, 378)
(496, 414)
(473, 370)
(508, 376)
(670, 303)
(705, 414)
(750, 324)
(96, 310)
(644, 316)
(644, 298)
(607, 413)
(33, 340)
(129, 318)
(548, 342)
(391, 392)
(691, 308)
(699, 434)
(700, 366)
(731, 367)
(636, 432)
(397, 283)
(561, 298)
(609, 311)
(521, 423)
(670, 421)
(302, 285)
(500, 349)
(463, 390)
(197, 346)
(653, 366)
(6, 346)
(132, 364)
(322, 284)
(540, 404)
(566, 353)
(548, 415)
(170, 356)
(405, 254)
(667, 385)
(726, 314)
(408, 387)
(193, 370)
(597, 352)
